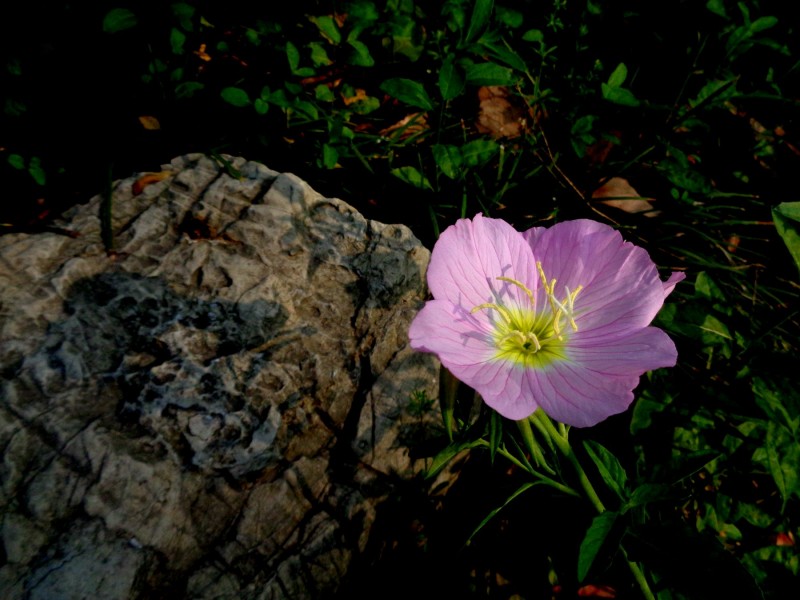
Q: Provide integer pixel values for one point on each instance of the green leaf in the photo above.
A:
(323, 93)
(177, 39)
(619, 95)
(16, 161)
(14, 67)
(503, 54)
(593, 540)
(610, 469)
(644, 409)
(261, 106)
(705, 287)
(407, 37)
(447, 454)
(480, 18)
(523, 488)
(408, 91)
(533, 35)
(329, 156)
(489, 73)
(36, 171)
(448, 393)
(613, 91)
(692, 463)
(716, 89)
(783, 454)
(779, 403)
(787, 221)
(451, 79)
(717, 7)
(714, 331)
(645, 494)
(508, 16)
(236, 96)
(478, 152)
(448, 159)
(618, 76)
(187, 89)
(184, 12)
(360, 56)
(762, 24)
(412, 176)
(319, 56)
(293, 56)
(305, 108)
(328, 28)
(118, 19)
(495, 433)
(366, 106)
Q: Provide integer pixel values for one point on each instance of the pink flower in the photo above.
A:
(556, 317)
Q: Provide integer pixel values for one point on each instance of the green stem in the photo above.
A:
(543, 478)
(562, 442)
(564, 447)
(524, 427)
(638, 575)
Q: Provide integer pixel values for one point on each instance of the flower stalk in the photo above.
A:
(561, 440)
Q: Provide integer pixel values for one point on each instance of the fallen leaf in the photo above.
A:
(148, 179)
(360, 95)
(733, 242)
(149, 122)
(202, 54)
(407, 126)
(597, 591)
(617, 192)
(598, 152)
(498, 115)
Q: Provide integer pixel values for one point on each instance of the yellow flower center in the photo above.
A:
(530, 337)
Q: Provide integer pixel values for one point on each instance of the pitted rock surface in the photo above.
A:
(214, 409)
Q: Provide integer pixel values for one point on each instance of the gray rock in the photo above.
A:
(216, 408)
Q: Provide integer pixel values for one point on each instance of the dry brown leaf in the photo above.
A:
(597, 591)
(149, 122)
(498, 115)
(409, 125)
(360, 94)
(148, 179)
(202, 54)
(620, 194)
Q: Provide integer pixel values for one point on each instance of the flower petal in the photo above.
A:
(466, 349)
(469, 257)
(673, 280)
(644, 350)
(580, 397)
(621, 287)
(503, 388)
(599, 379)
(451, 332)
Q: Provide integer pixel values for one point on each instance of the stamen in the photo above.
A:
(529, 337)
(501, 309)
(564, 309)
(521, 286)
